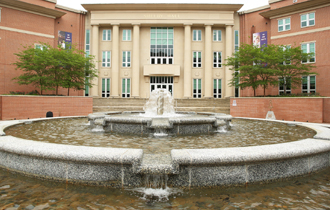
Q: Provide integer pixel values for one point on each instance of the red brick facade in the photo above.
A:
(314, 110)
(24, 107)
(263, 20)
(28, 22)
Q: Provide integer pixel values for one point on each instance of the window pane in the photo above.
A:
(311, 22)
(304, 48)
(312, 47)
(303, 17)
(199, 35)
(219, 35)
(303, 24)
(109, 35)
(128, 85)
(287, 27)
(287, 21)
(103, 84)
(214, 35)
(311, 15)
(280, 22)
(280, 28)
(123, 86)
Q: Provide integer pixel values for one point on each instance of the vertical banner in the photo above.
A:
(260, 39)
(64, 38)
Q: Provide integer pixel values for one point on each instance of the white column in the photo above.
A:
(115, 61)
(187, 62)
(136, 61)
(229, 91)
(208, 59)
(95, 52)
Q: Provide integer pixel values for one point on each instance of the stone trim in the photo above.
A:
(301, 33)
(27, 32)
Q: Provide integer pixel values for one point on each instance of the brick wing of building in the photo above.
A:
(29, 22)
(302, 23)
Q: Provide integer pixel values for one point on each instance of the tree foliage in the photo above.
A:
(254, 67)
(49, 68)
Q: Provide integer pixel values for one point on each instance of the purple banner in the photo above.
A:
(260, 39)
(64, 38)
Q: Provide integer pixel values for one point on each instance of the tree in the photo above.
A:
(267, 65)
(291, 65)
(50, 68)
(79, 69)
(250, 68)
(35, 65)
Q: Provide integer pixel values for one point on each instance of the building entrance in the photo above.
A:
(161, 83)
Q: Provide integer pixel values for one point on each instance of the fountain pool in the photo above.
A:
(124, 162)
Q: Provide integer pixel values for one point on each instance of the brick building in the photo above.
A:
(28, 22)
(302, 23)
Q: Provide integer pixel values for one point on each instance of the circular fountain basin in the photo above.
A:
(124, 167)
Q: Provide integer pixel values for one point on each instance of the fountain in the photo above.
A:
(187, 168)
(160, 119)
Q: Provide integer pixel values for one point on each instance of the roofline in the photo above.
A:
(70, 9)
(293, 8)
(33, 8)
(254, 9)
(163, 6)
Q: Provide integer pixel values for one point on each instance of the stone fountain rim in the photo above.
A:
(38, 152)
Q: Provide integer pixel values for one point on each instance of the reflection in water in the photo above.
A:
(243, 133)
(310, 192)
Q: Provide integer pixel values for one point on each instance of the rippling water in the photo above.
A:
(243, 133)
(18, 192)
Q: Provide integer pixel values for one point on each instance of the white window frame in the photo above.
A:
(283, 24)
(126, 91)
(281, 92)
(39, 45)
(126, 59)
(217, 63)
(107, 35)
(197, 35)
(217, 92)
(197, 59)
(107, 83)
(308, 90)
(0, 14)
(198, 83)
(127, 34)
(217, 35)
(106, 59)
(307, 19)
(308, 50)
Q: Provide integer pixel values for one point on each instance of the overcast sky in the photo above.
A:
(248, 4)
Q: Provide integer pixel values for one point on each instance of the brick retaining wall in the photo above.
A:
(23, 107)
(299, 109)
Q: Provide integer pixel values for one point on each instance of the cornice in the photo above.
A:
(36, 9)
(293, 8)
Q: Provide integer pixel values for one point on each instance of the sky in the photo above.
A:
(248, 4)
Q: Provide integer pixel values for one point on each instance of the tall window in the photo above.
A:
(284, 24)
(216, 59)
(197, 35)
(217, 88)
(87, 50)
(309, 48)
(87, 44)
(127, 35)
(105, 87)
(236, 38)
(106, 58)
(161, 45)
(309, 84)
(287, 82)
(197, 59)
(216, 35)
(307, 19)
(197, 88)
(126, 88)
(126, 58)
(106, 36)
